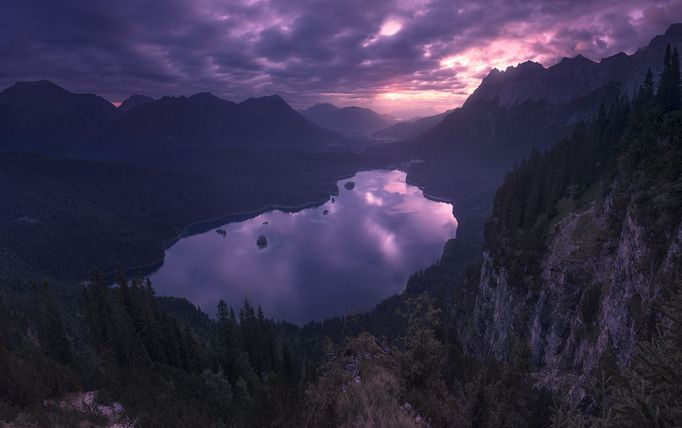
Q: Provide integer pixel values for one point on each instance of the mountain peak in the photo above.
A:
(672, 35)
(576, 60)
(267, 103)
(675, 30)
(203, 96)
(322, 107)
(266, 100)
(134, 101)
(353, 119)
(37, 85)
(270, 105)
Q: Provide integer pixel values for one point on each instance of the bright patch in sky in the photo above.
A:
(389, 55)
(390, 28)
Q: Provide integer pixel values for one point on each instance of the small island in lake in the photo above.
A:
(262, 242)
(350, 185)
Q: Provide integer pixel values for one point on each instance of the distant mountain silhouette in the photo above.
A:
(575, 77)
(529, 106)
(282, 119)
(351, 120)
(134, 101)
(203, 119)
(410, 128)
(43, 117)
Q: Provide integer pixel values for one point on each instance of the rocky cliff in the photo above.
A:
(595, 296)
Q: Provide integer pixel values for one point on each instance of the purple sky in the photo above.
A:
(401, 56)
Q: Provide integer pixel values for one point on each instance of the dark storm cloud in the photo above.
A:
(363, 50)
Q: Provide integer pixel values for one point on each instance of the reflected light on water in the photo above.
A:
(316, 265)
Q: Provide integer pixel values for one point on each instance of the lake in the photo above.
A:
(344, 256)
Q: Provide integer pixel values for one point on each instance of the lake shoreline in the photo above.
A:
(205, 225)
(368, 219)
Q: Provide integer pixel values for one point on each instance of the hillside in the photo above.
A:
(62, 218)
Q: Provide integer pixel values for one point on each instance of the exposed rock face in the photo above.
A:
(591, 298)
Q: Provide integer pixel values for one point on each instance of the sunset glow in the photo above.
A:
(390, 27)
(379, 54)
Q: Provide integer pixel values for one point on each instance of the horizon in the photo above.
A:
(381, 56)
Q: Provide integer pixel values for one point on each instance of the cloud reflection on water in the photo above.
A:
(315, 265)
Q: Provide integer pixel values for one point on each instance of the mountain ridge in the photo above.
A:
(353, 119)
(43, 117)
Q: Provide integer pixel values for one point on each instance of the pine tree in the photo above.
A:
(229, 341)
(675, 81)
(646, 91)
(49, 324)
(96, 298)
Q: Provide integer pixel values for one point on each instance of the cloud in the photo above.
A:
(371, 52)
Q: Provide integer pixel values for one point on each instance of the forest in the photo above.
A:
(63, 217)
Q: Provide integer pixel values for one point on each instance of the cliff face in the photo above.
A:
(594, 297)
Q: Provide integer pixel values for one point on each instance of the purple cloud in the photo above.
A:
(380, 53)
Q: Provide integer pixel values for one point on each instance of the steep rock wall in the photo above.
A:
(593, 299)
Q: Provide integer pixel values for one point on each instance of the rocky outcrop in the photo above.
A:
(593, 298)
(75, 409)
(360, 385)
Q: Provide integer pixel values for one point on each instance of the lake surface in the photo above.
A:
(344, 256)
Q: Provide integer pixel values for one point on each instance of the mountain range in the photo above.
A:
(350, 120)
(530, 106)
(520, 109)
(523, 107)
(45, 118)
(575, 77)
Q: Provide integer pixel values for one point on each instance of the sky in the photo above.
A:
(404, 57)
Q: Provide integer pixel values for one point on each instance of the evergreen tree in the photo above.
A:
(49, 324)
(646, 91)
